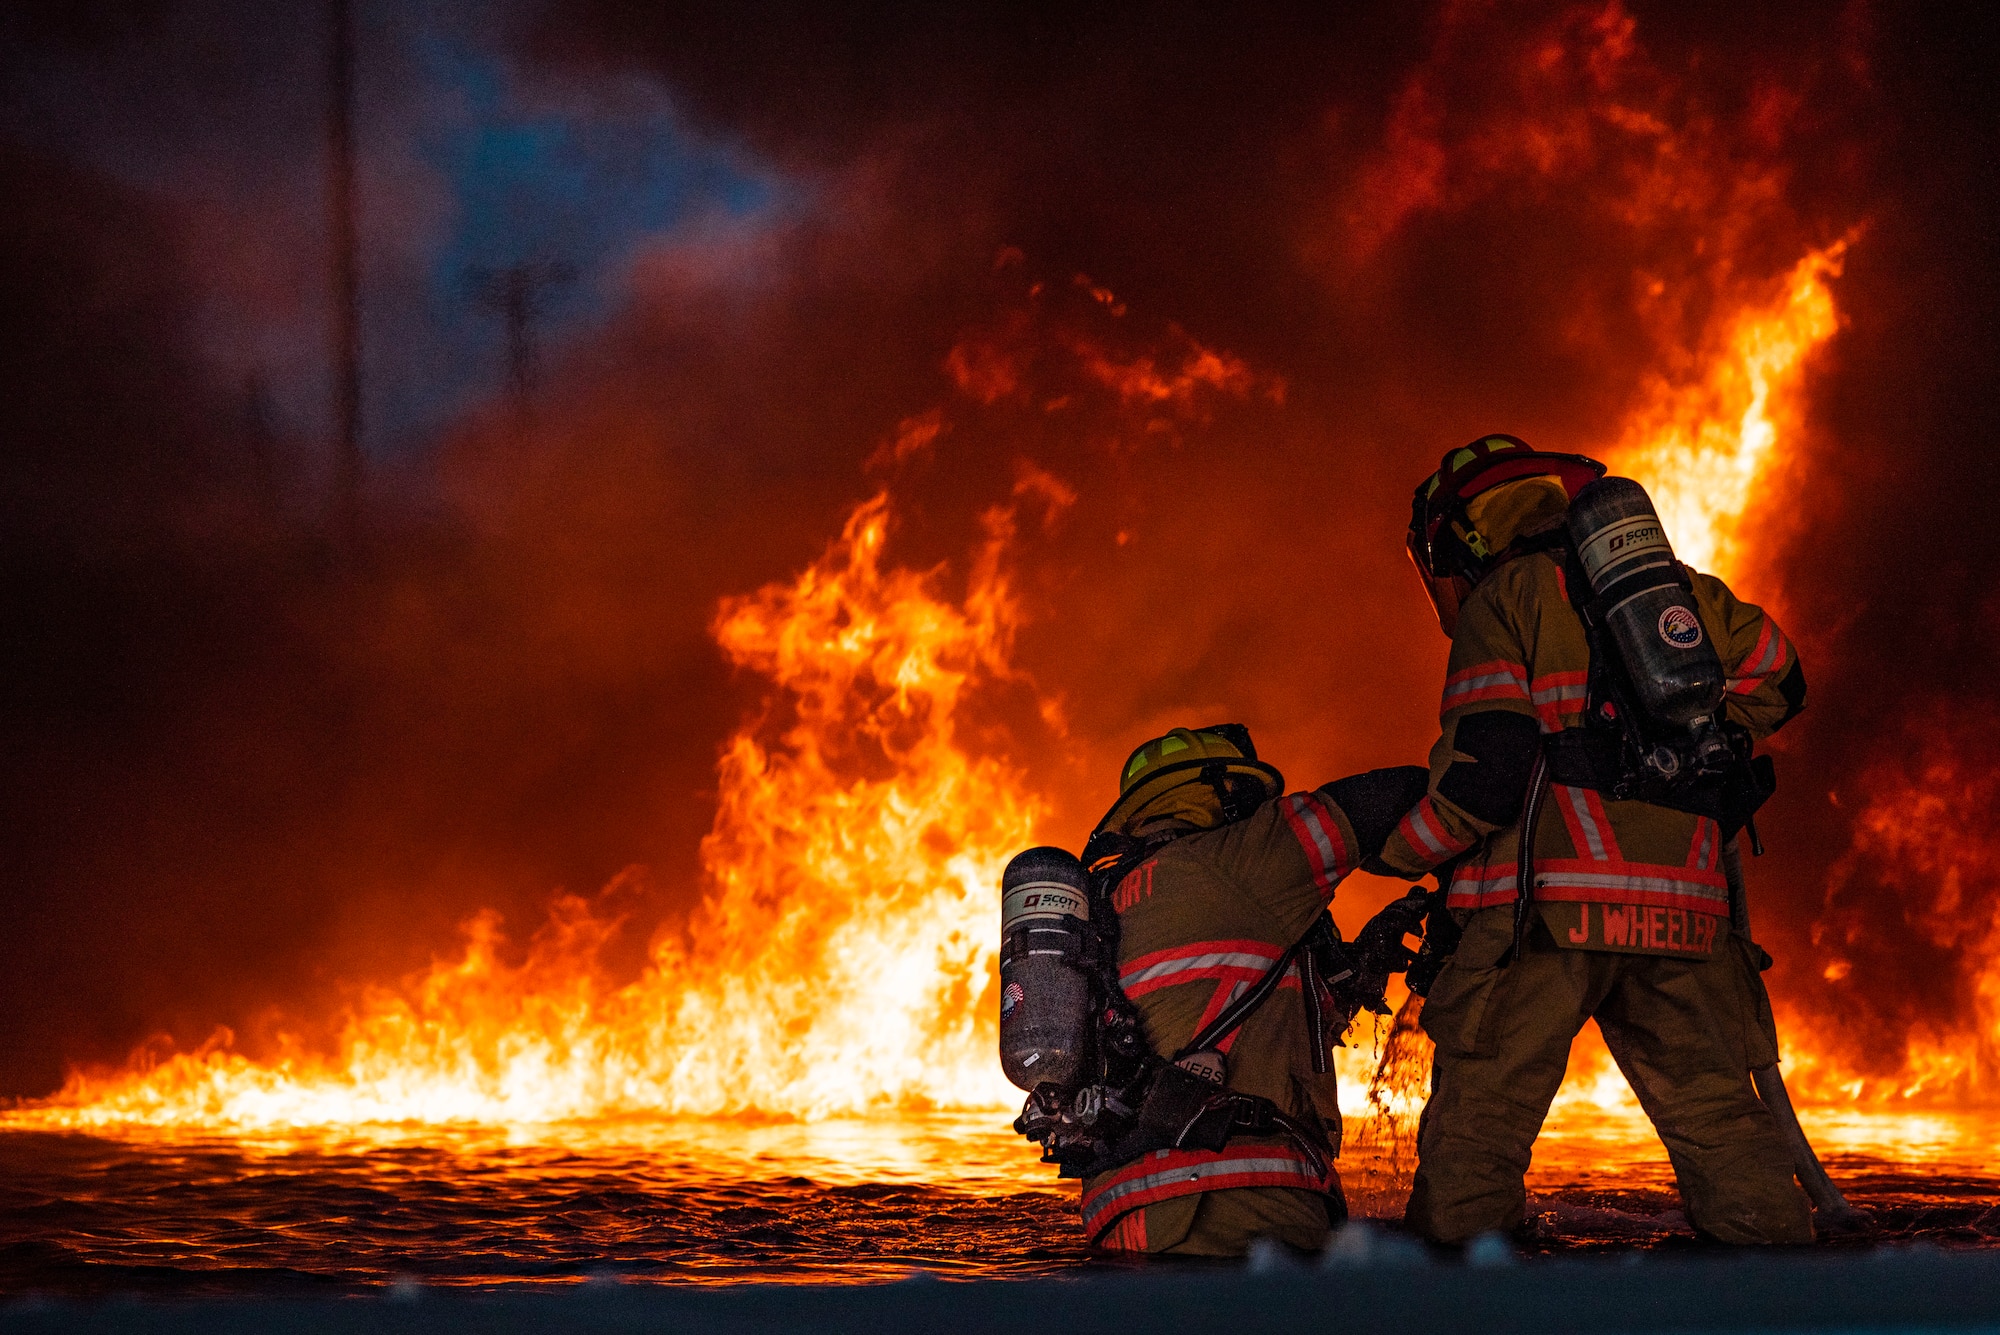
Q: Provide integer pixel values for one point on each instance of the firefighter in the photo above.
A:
(1223, 877)
(1628, 920)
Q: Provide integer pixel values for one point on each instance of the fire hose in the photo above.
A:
(1832, 1211)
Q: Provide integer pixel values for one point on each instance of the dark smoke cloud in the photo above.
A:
(249, 767)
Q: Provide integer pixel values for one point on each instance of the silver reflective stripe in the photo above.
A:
(1471, 684)
(1195, 1173)
(1580, 805)
(1576, 880)
(1228, 960)
(1419, 819)
(1308, 814)
(1468, 887)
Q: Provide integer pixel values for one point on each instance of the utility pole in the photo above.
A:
(517, 293)
(346, 280)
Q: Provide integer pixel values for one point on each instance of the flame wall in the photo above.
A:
(1199, 300)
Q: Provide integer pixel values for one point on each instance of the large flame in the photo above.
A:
(1705, 446)
(843, 958)
(843, 961)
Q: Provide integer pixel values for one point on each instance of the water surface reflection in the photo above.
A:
(712, 1202)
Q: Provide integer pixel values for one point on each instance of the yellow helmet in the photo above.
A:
(1220, 755)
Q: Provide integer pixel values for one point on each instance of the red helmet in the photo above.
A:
(1443, 542)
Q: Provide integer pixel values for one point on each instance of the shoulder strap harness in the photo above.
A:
(1141, 1102)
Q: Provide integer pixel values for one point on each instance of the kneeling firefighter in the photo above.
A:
(1171, 999)
(1594, 675)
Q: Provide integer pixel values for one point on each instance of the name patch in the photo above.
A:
(1136, 885)
(1639, 928)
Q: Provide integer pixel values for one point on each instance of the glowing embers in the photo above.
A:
(844, 959)
(1700, 443)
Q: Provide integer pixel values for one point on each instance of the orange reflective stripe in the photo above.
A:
(1227, 990)
(1479, 888)
(1571, 880)
(1423, 831)
(1498, 680)
(1316, 828)
(1227, 960)
(1165, 1174)
(1701, 854)
(1589, 825)
(1557, 695)
(1771, 652)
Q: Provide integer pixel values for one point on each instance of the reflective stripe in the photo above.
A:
(1589, 824)
(1313, 824)
(1200, 959)
(1606, 828)
(1558, 693)
(1225, 993)
(1165, 1174)
(1566, 880)
(1498, 680)
(1471, 890)
(1583, 830)
(1771, 652)
(1770, 648)
(1706, 832)
(1645, 883)
(1423, 831)
(1235, 982)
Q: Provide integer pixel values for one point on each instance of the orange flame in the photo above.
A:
(1924, 859)
(845, 958)
(1704, 446)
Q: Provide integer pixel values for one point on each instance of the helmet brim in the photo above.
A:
(1574, 471)
(1169, 777)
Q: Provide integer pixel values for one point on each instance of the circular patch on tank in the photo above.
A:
(1010, 997)
(1680, 627)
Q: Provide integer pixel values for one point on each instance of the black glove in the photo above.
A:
(1379, 951)
(1381, 942)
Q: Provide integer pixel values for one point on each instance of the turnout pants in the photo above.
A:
(1686, 1034)
(1224, 1223)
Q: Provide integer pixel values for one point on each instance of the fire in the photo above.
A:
(844, 959)
(1704, 446)
(1914, 903)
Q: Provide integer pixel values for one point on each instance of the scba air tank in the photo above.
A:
(1648, 612)
(1045, 993)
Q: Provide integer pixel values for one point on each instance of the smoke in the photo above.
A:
(1233, 283)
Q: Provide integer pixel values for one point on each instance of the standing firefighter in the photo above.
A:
(1605, 697)
(1172, 1007)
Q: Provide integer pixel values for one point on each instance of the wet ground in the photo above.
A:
(707, 1203)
